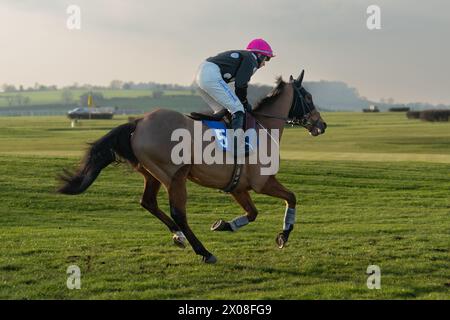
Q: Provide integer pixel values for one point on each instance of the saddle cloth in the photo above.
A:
(220, 135)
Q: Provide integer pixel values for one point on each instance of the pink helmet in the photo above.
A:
(260, 46)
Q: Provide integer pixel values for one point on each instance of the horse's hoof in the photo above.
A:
(179, 239)
(211, 259)
(221, 225)
(281, 240)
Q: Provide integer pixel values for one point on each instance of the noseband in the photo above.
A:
(299, 106)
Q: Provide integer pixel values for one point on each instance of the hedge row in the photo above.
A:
(429, 115)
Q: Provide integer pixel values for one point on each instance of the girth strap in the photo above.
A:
(237, 170)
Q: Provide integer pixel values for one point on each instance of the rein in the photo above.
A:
(268, 115)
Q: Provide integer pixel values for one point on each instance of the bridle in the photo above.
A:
(299, 106)
(304, 109)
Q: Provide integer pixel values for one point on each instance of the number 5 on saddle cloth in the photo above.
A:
(220, 135)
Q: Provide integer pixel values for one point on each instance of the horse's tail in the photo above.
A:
(101, 153)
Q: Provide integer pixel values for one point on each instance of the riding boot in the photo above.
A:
(237, 122)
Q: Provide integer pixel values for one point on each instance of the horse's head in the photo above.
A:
(303, 110)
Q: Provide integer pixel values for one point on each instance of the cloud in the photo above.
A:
(166, 41)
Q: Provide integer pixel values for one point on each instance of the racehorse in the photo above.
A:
(146, 144)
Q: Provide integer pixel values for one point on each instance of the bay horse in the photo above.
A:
(146, 144)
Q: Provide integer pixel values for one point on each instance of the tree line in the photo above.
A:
(328, 95)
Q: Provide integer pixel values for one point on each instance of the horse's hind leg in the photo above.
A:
(149, 201)
(177, 199)
(245, 201)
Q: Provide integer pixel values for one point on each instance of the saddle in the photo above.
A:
(210, 115)
(225, 116)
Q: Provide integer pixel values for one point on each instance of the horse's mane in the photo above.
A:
(273, 95)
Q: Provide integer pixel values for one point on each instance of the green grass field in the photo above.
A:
(374, 190)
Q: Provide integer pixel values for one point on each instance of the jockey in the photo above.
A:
(236, 66)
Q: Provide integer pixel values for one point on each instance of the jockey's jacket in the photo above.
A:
(237, 66)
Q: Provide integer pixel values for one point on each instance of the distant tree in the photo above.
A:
(21, 88)
(9, 88)
(9, 100)
(67, 96)
(116, 84)
(157, 94)
(126, 86)
(18, 100)
(87, 86)
(22, 100)
(97, 98)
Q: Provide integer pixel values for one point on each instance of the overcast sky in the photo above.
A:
(165, 41)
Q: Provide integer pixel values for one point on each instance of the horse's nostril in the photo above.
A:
(324, 125)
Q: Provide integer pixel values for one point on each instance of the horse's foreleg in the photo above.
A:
(177, 199)
(276, 189)
(245, 201)
(149, 201)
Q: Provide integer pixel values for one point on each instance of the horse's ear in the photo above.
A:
(300, 78)
(291, 79)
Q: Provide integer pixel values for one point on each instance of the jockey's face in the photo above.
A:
(264, 59)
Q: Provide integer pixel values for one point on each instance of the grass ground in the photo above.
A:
(374, 190)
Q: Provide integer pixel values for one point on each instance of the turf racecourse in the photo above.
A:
(373, 190)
